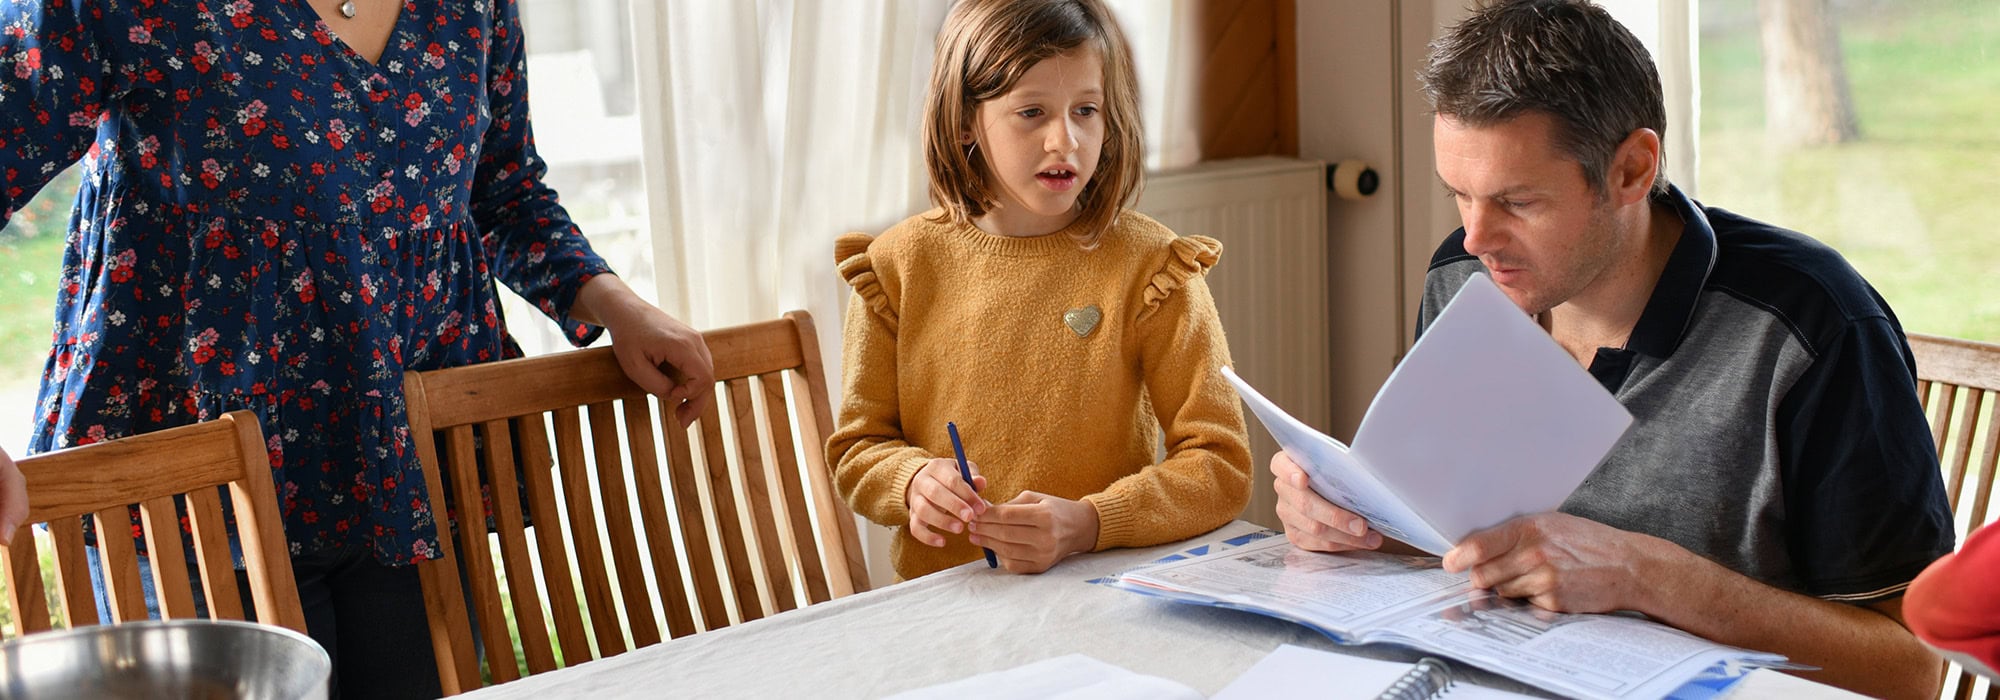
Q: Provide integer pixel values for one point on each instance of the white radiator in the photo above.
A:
(1271, 284)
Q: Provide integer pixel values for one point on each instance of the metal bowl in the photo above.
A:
(197, 659)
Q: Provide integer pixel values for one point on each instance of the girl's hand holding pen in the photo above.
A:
(940, 501)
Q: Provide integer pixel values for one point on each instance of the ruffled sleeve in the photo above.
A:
(872, 460)
(1204, 480)
(1187, 256)
(850, 254)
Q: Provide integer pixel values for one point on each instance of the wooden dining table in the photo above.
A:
(971, 620)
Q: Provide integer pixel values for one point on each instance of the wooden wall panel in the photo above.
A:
(1247, 86)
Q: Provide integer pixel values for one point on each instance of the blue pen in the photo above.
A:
(958, 448)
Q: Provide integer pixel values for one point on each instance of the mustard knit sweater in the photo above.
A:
(1061, 367)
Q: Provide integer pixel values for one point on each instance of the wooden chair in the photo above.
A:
(726, 530)
(105, 479)
(1959, 383)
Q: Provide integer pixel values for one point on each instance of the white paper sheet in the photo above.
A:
(1337, 476)
(1071, 677)
(1487, 418)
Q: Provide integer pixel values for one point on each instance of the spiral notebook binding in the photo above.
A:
(1429, 678)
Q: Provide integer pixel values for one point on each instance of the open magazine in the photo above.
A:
(1370, 597)
(1487, 418)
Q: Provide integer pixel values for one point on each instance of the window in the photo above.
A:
(584, 101)
(1901, 196)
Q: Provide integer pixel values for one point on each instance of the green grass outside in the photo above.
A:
(31, 249)
(27, 303)
(1903, 202)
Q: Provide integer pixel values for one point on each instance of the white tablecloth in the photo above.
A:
(972, 620)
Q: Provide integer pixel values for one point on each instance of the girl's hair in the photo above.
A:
(982, 52)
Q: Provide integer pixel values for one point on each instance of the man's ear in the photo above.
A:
(1634, 166)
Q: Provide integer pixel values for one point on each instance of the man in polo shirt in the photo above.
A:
(1779, 487)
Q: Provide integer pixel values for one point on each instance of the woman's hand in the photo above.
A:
(665, 357)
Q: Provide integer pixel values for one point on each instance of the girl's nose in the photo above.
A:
(1062, 137)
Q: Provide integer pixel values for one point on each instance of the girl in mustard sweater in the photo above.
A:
(1062, 332)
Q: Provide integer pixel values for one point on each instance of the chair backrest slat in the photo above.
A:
(727, 520)
(211, 555)
(578, 498)
(461, 458)
(26, 595)
(658, 532)
(1938, 408)
(170, 574)
(539, 474)
(1959, 383)
(1987, 463)
(1955, 460)
(613, 499)
(118, 562)
(688, 486)
(807, 557)
(78, 597)
(512, 533)
(149, 475)
(764, 502)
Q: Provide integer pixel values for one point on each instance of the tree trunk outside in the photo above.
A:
(1806, 98)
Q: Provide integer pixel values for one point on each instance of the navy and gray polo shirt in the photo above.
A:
(1777, 428)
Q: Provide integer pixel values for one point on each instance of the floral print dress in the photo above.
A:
(268, 221)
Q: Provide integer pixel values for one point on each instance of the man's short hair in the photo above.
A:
(1568, 59)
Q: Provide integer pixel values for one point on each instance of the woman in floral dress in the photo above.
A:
(286, 204)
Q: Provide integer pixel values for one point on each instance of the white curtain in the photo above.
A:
(1159, 32)
(778, 125)
(772, 127)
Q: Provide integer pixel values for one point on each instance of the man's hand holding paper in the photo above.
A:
(1311, 522)
(1485, 420)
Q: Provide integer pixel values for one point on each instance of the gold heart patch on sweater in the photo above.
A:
(1083, 320)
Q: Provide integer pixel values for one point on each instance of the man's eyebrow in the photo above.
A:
(1503, 193)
